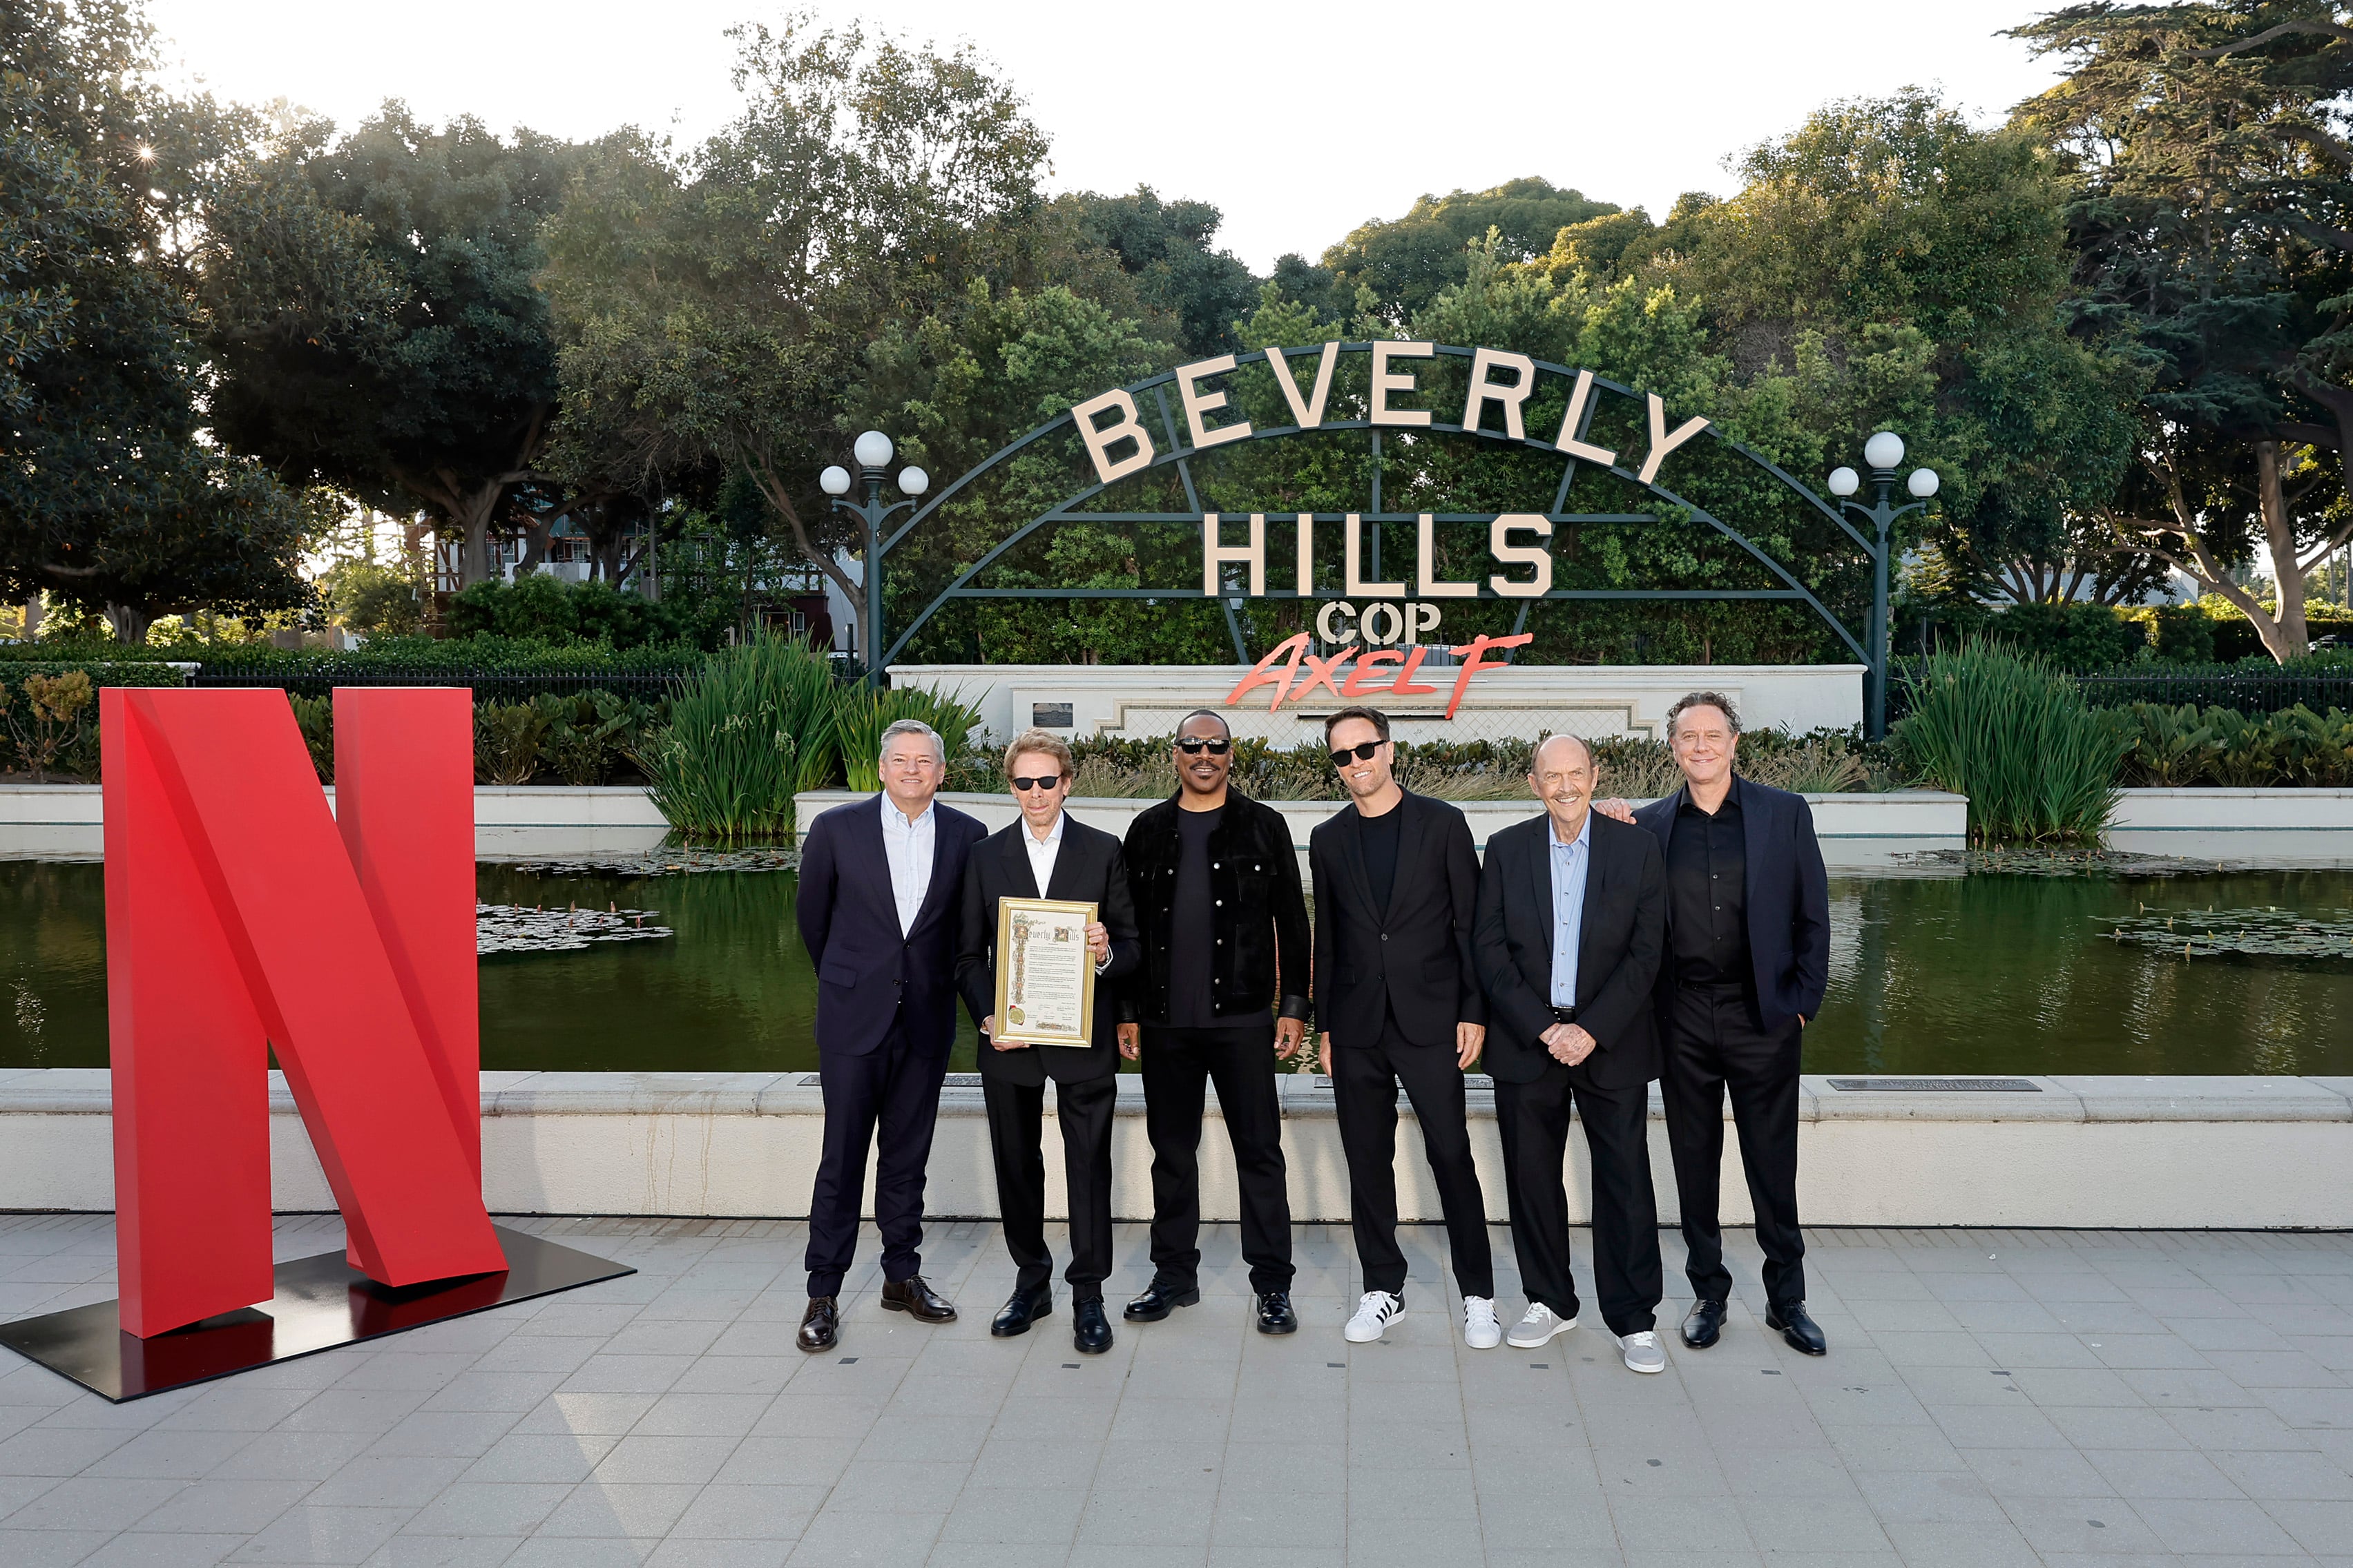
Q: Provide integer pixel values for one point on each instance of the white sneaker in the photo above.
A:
(1374, 1312)
(1538, 1327)
(1643, 1352)
(1480, 1331)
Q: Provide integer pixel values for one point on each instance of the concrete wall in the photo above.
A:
(2173, 1153)
(64, 822)
(1589, 699)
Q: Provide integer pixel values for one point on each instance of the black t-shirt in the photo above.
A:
(1380, 841)
(1191, 999)
(1707, 892)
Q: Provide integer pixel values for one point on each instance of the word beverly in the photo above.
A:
(1126, 429)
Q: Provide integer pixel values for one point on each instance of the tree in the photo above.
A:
(111, 500)
(1913, 273)
(716, 307)
(377, 324)
(2211, 221)
(1406, 261)
(1183, 290)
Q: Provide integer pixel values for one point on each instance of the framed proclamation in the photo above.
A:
(1045, 976)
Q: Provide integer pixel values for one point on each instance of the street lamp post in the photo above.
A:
(1881, 454)
(873, 452)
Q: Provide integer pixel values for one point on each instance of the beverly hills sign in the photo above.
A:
(1118, 445)
(1161, 440)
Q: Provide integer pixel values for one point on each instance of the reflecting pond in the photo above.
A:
(1982, 973)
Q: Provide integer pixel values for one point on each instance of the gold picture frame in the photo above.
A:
(1036, 940)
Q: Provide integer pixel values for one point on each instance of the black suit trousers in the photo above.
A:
(1534, 1120)
(1714, 1046)
(1364, 1079)
(1178, 1063)
(1016, 1114)
(893, 1089)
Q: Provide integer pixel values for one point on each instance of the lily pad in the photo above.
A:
(2045, 860)
(512, 928)
(668, 861)
(2266, 933)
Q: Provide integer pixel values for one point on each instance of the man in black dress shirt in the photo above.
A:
(1398, 1001)
(1747, 960)
(1221, 993)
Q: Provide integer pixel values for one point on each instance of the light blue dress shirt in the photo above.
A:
(1570, 863)
(908, 846)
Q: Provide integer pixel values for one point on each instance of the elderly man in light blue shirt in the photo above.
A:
(1569, 861)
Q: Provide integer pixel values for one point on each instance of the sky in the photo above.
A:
(1300, 121)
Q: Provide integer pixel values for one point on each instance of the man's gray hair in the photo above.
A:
(912, 727)
(1715, 700)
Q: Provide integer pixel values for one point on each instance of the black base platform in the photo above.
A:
(320, 1302)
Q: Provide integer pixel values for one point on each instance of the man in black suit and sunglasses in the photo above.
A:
(1221, 991)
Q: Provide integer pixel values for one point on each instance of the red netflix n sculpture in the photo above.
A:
(242, 916)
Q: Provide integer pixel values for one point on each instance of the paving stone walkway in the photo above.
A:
(1992, 1397)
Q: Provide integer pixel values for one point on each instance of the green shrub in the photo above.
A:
(591, 735)
(52, 723)
(315, 717)
(755, 727)
(507, 738)
(541, 609)
(2036, 760)
(2177, 746)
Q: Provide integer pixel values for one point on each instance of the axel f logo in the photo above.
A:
(242, 917)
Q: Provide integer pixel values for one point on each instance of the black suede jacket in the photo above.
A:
(1260, 914)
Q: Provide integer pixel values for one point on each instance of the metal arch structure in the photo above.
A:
(1871, 647)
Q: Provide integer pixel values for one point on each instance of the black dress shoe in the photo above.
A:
(820, 1325)
(917, 1300)
(1025, 1309)
(1089, 1329)
(1274, 1314)
(1159, 1300)
(1803, 1332)
(1704, 1325)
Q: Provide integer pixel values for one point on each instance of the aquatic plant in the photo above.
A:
(753, 727)
(2036, 760)
(862, 713)
(2265, 932)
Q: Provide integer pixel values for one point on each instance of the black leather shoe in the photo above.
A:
(1704, 1325)
(1274, 1314)
(1022, 1310)
(820, 1325)
(1803, 1332)
(1159, 1300)
(1089, 1329)
(917, 1300)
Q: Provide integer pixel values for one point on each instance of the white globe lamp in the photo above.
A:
(1883, 451)
(834, 481)
(1844, 482)
(914, 481)
(873, 450)
(1923, 483)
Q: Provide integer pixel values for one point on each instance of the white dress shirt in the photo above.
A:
(1570, 862)
(907, 844)
(1041, 855)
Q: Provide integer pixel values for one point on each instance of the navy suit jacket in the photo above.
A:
(1788, 899)
(1619, 941)
(865, 970)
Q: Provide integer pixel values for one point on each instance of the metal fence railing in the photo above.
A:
(490, 685)
(2250, 691)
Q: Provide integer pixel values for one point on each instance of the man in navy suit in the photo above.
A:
(1572, 918)
(1749, 945)
(878, 907)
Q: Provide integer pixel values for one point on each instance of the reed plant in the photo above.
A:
(2036, 760)
(757, 725)
(862, 713)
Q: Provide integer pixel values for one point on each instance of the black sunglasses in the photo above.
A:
(1192, 744)
(1024, 786)
(1363, 753)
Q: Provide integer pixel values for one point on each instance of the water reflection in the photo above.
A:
(1979, 974)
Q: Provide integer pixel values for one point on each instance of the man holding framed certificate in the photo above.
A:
(1047, 915)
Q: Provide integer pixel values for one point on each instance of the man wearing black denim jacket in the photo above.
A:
(1222, 991)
